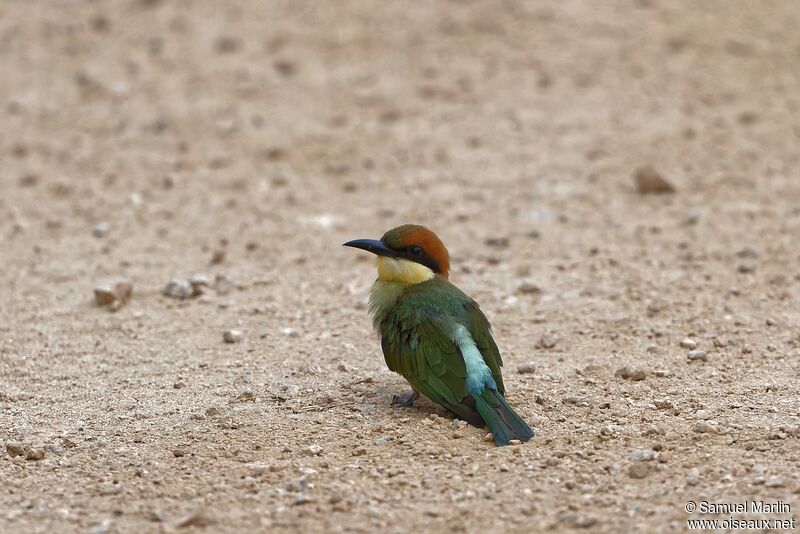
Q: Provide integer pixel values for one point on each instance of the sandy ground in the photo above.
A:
(269, 132)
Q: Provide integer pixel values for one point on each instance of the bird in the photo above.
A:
(436, 336)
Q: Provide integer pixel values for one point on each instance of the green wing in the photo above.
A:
(433, 365)
(416, 343)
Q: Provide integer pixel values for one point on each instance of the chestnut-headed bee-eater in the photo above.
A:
(434, 335)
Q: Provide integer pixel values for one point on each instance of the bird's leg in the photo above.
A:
(406, 400)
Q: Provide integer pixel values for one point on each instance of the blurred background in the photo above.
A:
(290, 109)
(621, 175)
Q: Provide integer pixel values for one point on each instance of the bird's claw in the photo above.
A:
(405, 400)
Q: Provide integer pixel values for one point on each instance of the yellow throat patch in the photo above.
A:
(402, 271)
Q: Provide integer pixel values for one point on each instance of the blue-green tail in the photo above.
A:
(504, 423)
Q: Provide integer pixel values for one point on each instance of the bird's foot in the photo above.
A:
(406, 400)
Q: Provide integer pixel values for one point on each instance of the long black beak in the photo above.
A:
(372, 245)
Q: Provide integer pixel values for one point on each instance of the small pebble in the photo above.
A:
(638, 375)
(489, 437)
(15, 448)
(232, 336)
(297, 486)
(178, 289)
(688, 344)
(315, 450)
(199, 283)
(244, 396)
(627, 373)
(703, 415)
(747, 267)
(648, 180)
(218, 257)
(497, 242)
(257, 468)
(747, 252)
(704, 427)
(638, 470)
(178, 453)
(34, 454)
(577, 401)
(548, 341)
(113, 295)
(514, 442)
(643, 455)
(623, 372)
(692, 216)
(696, 355)
(100, 229)
(528, 288)
(526, 368)
(552, 461)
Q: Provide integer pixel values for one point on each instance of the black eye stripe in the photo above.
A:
(417, 254)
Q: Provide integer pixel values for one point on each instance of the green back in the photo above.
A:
(416, 322)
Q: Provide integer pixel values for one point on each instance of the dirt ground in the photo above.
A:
(149, 140)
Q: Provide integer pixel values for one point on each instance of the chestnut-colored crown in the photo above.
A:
(432, 251)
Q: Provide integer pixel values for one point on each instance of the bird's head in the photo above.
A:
(408, 254)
